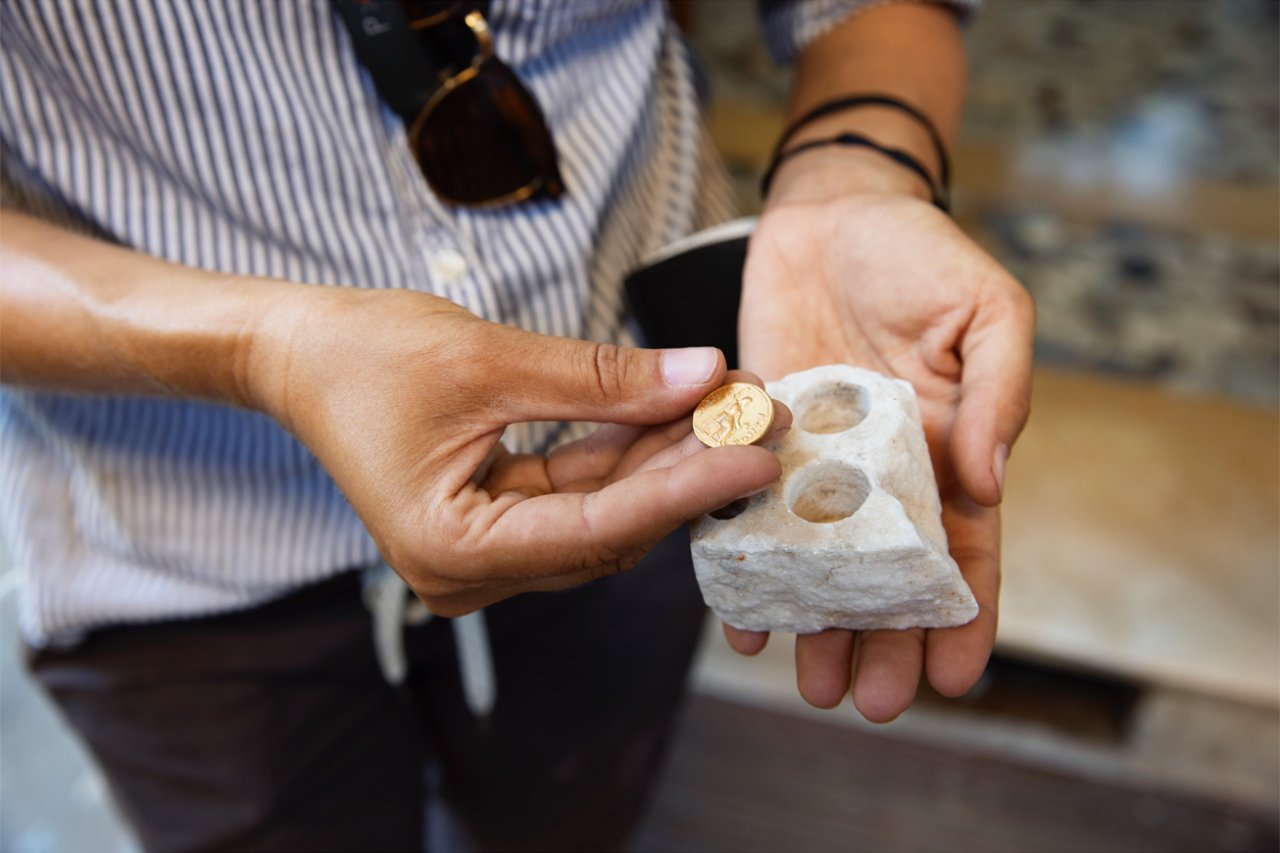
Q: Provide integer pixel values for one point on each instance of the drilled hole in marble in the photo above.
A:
(827, 492)
(733, 509)
(834, 407)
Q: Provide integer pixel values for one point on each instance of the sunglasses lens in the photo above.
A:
(486, 140)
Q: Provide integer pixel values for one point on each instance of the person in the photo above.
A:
(248, 349)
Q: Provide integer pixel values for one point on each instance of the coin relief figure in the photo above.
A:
(737, 413)
(727, 421)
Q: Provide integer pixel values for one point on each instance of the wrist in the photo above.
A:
(281, 320)
(835, 171)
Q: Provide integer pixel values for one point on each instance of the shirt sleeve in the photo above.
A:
(789, 25)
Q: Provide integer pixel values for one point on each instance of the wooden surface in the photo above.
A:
(743, 778)
(1141, 537)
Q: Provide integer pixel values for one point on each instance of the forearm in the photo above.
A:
(79, 314)
(913, 51)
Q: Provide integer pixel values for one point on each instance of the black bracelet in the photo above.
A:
(937, 192)
(875, 100)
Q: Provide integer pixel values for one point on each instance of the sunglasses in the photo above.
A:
(478, 135)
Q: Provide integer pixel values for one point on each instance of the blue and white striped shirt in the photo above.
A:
(243, 136)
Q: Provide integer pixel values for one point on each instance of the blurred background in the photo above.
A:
(1122, 158)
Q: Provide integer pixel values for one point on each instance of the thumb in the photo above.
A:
(550, 378)
(995, 397)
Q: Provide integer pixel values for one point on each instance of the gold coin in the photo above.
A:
(737, 413)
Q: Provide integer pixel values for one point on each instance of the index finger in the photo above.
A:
(562, 533)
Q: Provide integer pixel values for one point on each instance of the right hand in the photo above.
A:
(403, 397)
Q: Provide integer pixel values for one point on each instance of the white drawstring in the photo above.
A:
(475, 660)
(392, 607)
(385, 596)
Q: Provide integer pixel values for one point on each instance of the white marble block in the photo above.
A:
(851, 536)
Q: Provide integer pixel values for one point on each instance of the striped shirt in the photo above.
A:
(243, 136)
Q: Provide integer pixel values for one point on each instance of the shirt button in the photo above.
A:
(448, 265)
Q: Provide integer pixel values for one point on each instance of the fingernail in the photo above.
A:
(997, 467)
(692, 366)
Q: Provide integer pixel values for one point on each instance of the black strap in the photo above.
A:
(407, 67)
(857, 140)
(876, 100)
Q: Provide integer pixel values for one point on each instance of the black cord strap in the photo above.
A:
(857, 140)
(848, 102)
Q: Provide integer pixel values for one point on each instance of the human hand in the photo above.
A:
(403, 397)
(868, 275)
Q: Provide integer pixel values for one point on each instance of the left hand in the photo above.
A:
(847, 266)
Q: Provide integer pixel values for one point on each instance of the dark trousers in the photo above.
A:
(274, 728)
